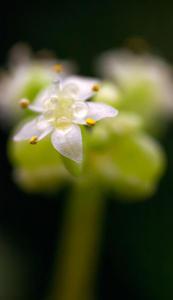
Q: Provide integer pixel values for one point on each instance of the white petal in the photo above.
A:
(98, 111)
(43, 96)
(37, 127)
(68, 142)
(37, 105)
(84, 86)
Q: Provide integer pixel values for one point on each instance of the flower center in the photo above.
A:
(62, 110)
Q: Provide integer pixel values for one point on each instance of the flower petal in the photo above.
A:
(68, 142)
(37, 127)
(38, 104)
(98, 111)
(84, 86)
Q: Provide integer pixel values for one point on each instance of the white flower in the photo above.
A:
(62, 108)
(25, 70)
(128, 69)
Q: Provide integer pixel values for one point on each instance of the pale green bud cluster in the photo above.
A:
(143, 86)
(120, 155)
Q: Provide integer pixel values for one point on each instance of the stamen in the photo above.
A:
(24, 103)
(58, 68)
(96, 88)
(90, 122)
(33, 140)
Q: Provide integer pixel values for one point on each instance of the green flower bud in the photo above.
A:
(33, 156)
(108, 94)
(43, 179)
(131, 166)
(139, 99)
(105, 132)
(37, 168)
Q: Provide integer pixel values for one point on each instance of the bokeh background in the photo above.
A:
(136, 253)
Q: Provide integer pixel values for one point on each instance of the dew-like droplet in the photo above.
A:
(80, 110)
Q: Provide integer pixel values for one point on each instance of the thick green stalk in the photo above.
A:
(77, 257)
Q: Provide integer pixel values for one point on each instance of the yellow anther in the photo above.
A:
(33, 140)
(24, 103)
(96, 88)
(58, 68)
(90, 122)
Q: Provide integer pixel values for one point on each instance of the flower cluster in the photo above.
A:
(118, 154)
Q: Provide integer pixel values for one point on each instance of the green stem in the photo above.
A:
(78, 254)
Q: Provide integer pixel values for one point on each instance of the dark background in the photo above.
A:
(136, 257)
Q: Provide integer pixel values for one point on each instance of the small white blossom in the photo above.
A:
(128, 69)
(62, 109)
(25, 69)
